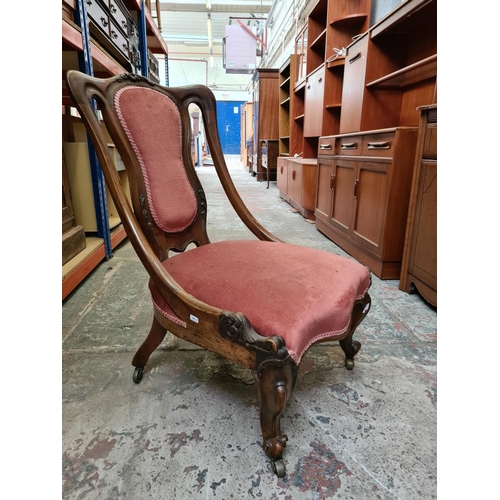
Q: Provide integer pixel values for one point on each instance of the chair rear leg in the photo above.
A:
(153, 340)
(349, 346)
(274, 385)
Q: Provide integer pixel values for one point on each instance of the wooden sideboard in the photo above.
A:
(363, 189)
(296, 181)
(419, 265)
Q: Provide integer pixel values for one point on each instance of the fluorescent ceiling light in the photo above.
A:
(209, 29)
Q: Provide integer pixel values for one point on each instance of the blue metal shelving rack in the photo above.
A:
(98, 182)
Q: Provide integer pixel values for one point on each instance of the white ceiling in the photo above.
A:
(184, 22)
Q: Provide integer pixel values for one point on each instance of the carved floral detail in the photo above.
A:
(133, 78)
(144, 212)
(237, 328)
(203, 203)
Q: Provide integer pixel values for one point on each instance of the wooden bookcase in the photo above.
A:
(286, 101)
(391, 70)
(317, 92)
(319, 48)
(265, 113)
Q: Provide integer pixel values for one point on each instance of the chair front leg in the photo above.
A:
(349, 346)
(275, 382)
(153, 340)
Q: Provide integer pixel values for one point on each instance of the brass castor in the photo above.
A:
(349, 363)
(137, 376)
(279, 467)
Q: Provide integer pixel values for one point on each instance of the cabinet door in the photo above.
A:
(282, 175)
(342, 188)
(423, 257)
(354, 86)
(314, 103)
(324, 187)
(294, 181)
(370, 204)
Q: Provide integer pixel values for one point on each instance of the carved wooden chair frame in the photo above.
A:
(227, 333)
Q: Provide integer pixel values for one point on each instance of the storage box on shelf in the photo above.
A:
(419, 265)
(363, 188)
(391, 69)
(80, 181)
(73, 235)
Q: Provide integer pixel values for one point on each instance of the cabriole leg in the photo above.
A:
(153, 340)
(274, 384)
(349, 346)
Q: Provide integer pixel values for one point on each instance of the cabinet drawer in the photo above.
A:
(118, 15)
(349, 145)
(153, 66)
(326, 145)
(117, 37)
(430, 142)
(98, 15)
(378, 144)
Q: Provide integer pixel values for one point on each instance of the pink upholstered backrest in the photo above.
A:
(152, 123)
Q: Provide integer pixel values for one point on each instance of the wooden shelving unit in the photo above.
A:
(286, 101)
(365, 167)
(391, 69)
(266, 109)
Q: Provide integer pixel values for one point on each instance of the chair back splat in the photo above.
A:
(263, 317)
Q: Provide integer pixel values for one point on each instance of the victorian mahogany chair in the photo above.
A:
(262, 315)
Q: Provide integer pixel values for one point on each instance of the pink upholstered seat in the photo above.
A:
(302, 294)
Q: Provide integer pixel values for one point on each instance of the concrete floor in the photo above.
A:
(190, 429)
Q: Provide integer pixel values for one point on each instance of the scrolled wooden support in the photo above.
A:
(274, 447)
(349, 346)
(237, 328)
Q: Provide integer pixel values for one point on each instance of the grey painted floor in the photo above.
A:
(191, 429)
